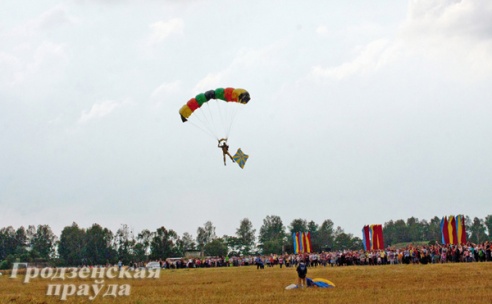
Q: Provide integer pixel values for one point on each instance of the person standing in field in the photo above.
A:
(280, 261)
(301, 273)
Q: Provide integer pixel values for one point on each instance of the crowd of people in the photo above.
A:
(411, 254)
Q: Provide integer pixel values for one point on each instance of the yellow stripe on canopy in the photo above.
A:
(185, 111)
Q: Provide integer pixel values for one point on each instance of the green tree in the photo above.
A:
(125, 244)
(434, 230)
(272, 236)
(99, 248)
(273, 246)
(488, 224)
(415, 229)
(21, 241)
(7, 242)
(163, 244)
(30, 233)
(313, 229)
(188, 242)
(14, 245)
(477, 231)
(43, 243)
(205, 235)
(72, 244)
(246, 236)
(234, 244)
(346, 241)
(389, 233)
(298, 225)
(402, 234)
(142, 246)
(325, 237)
(216, 247)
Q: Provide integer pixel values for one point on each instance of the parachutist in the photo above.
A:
(301, 273)
(225, 149)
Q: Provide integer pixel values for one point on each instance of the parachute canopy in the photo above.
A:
(214, 111)
(228, 94)
(320, 282)
(317, 282)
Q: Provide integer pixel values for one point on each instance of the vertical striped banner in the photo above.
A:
(455, 231)
(458, 229)
(295, 244)
(367, 236)
(452, 230)
(310, 243)
(442, 231)
(445, 231)
(307, 242)
(372, 237)
(301, 242)
(364, 238)
(379, 236)
(463, 230)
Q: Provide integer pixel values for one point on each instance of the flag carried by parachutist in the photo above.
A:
(240, 158)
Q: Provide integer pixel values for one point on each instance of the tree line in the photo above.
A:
(97, 245)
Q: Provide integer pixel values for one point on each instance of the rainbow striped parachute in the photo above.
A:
(228, 94)
(214, 111)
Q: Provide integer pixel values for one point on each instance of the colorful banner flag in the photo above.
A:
(463, 231)
(301, 242)
(295, 244)
(445, 231)
(372, 236)
(451, 226)
(459, 229)
(379, 237)
(366, 241)
(307, 242)
(453, 230)
(442, 234)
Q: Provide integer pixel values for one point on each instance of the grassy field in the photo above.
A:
(447, 283)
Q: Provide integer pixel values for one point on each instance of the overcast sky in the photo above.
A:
(361, 112)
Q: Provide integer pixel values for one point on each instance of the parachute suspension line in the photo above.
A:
(217, 122)
(222, 106)
(229, 114)
(218, 109)
(209, 117)
(232, 116)
(204, 123)
(223, 118)
(204, 130)
(213, 108)
(227, 119)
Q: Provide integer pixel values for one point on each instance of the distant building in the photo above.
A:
(193, 254)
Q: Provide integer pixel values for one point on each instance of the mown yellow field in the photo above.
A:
(447, 283)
